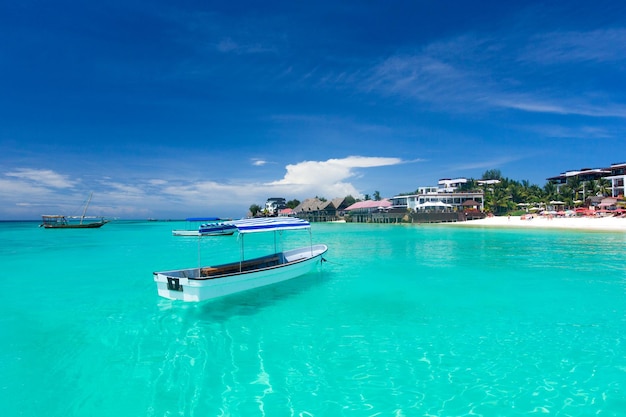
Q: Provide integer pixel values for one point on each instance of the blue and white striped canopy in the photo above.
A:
(270, 224)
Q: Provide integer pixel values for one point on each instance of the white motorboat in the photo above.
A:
(213, 281)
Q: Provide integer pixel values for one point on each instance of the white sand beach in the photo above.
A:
(617, 224)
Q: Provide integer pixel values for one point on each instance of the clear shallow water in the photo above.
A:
(402, 321)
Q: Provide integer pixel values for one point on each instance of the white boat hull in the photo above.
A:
(197, 233)
(185, 233)
(189, 285)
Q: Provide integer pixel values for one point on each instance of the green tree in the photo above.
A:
(349, 200)
(604, 186)
(566, 194)
(535, 194)
(500, 200)
(254, 209)
(377, 196)
(292, 204)
(590, 188)
(470, 185)
(492, 174)
(550, 192)
(575, 186)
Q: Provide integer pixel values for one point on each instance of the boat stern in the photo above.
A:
(174, 288)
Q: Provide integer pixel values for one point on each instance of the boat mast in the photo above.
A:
(85, 209)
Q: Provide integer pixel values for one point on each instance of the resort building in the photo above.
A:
(274, 205)
(427, 190)
(316, 210)
(364, 211)
(617, 177)
(487, 182)
(583, 175)
(447, 185)
(443, 201)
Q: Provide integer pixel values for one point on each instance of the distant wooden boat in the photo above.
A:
(218, 280)
(59, 221)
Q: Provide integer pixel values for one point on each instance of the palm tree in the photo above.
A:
(550, 191)
(535, 194)
(589, 188)
(566, 194)
(575, 185)
(604, 187)
(501, 201)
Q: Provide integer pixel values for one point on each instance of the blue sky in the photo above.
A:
(202, 108)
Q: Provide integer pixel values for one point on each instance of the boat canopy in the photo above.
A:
(270, 224)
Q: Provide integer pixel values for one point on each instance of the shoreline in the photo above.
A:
(610, 224)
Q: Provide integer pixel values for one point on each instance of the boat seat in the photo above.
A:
(211, 272)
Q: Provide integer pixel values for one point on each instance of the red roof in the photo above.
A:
(368, 204)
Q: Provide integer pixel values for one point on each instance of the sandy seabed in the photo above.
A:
(617, 224)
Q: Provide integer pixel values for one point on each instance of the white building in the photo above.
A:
(447, 185)
(444, 201)
(617, 178)
(273, 205)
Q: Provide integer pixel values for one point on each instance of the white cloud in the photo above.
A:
(258, 162)
(330, 171)
(43, 177)
(326, 178)
(556, 106)
(600, 46)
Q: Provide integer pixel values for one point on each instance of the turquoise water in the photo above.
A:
(401, 321)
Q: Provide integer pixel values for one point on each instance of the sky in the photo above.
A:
(170, 110)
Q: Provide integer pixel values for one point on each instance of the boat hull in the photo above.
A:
(189, 285)
(197, 233)
(185, 233)
(75, 226)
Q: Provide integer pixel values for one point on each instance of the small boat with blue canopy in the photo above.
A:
(217, 280)
(207, 226)
(217, 229)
